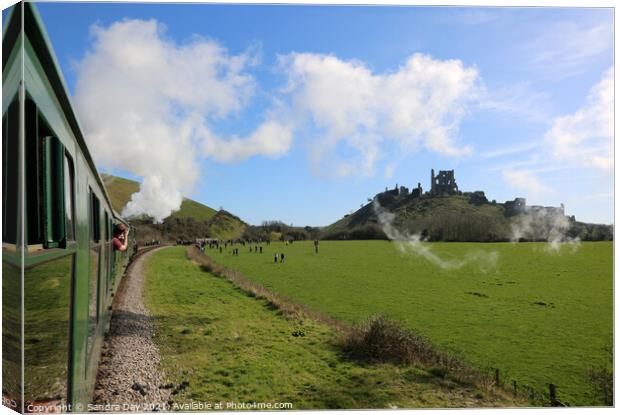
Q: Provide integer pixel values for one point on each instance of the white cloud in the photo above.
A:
(420, 104)
(271, 139)
(567, 48)
(587, 135)
(526, 181)
(146, 104)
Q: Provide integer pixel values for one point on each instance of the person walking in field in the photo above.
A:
(275, 258)
(261, 249)
(282, 257)
(316, 246)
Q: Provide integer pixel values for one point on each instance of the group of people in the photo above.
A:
(254, 246)
(259, 249)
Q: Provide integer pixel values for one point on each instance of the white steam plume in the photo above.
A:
(147, 105)
(413, 244)
(544, 224)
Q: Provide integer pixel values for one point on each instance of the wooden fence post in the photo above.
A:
(497, 377)
(514, 386)
(553, 394)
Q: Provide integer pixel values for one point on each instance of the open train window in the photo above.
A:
(95, 218)
(46, 202)
(10, 151)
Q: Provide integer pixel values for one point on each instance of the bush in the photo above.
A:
(383, 340)
(602, 380)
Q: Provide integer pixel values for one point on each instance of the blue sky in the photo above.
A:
(300, 113)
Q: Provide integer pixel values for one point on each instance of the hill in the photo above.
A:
(192, 220)
(121, 189)
(465, 217)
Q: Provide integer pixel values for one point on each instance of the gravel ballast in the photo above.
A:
(129, 374)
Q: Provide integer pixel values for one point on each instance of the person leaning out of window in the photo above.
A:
(120, 239)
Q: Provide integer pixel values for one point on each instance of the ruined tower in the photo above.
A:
(444, 183)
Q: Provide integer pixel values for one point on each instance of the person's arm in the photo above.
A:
(125, 241)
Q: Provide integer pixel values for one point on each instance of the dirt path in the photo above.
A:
(128, 373)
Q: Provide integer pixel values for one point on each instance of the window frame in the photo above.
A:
(54, 209)
(69, 164)
(10, 141)
(95, 217)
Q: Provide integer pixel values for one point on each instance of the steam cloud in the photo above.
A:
(147, 104)
(545, 225)
(413, 244)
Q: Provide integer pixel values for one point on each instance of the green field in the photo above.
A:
(540, 317)
(232, 347)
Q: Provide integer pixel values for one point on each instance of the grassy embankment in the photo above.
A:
(232, 347)
(540, 317)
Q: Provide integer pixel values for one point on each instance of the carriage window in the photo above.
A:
(54, 224)
(45, 182)
(10, 145)
(95, 218)
(107, 227)
(69, 198)
(34, 174)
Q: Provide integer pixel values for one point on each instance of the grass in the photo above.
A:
(11, 331)
(231, 346)
(192, 209)
(539, 317)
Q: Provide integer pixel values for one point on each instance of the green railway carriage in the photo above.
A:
(59, 267)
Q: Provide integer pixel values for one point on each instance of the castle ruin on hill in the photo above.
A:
(444, 184)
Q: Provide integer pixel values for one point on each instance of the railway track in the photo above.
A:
(128, 378)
